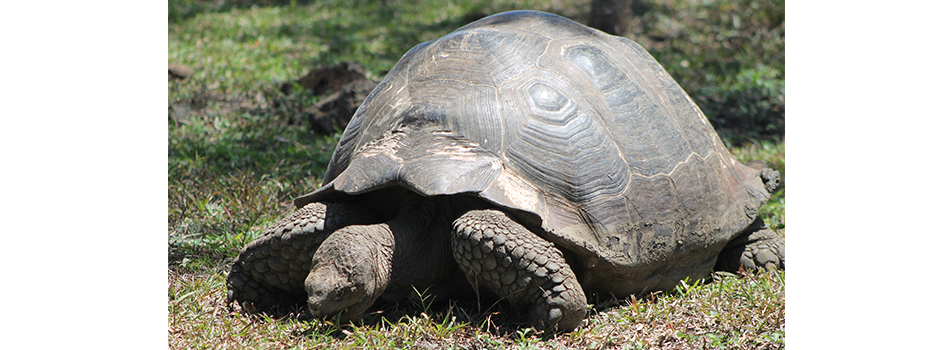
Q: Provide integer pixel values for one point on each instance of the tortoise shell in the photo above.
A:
(582, 135)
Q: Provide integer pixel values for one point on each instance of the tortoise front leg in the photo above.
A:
(270, 271)
(502, 256)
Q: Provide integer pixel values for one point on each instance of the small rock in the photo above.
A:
(179, 71)
(179, 113)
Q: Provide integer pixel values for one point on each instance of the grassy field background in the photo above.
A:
(239, 152)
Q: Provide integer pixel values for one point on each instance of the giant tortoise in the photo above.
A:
(523, 156)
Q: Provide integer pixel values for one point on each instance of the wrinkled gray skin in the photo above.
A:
(533, 157)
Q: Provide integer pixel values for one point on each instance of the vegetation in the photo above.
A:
(238, 154)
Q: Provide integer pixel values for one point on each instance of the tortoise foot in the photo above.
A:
(756, 249)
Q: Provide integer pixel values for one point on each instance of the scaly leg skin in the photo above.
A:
(756, 249)
(269, 272)
(502, 256)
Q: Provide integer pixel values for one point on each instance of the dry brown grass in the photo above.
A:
(736, 312)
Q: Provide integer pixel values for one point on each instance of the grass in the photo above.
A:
(238, 154)
(732, 312)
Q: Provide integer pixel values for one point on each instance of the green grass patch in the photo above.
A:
(729, 55)
(732, 312)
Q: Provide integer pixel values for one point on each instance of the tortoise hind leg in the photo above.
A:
(757, 248)
(502, 256)
(270, 271)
